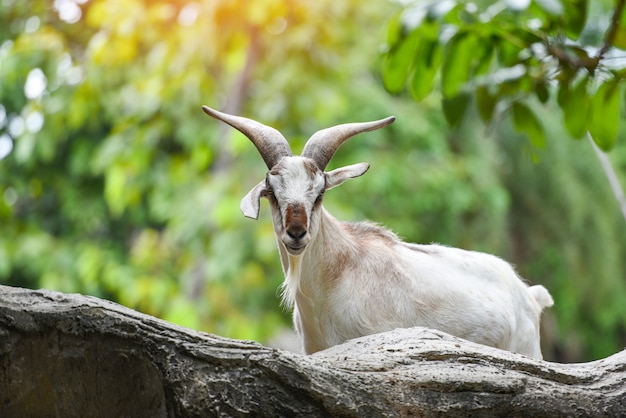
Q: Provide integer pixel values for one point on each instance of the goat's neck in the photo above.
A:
(306, 275)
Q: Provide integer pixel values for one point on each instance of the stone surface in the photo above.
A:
(73, 355)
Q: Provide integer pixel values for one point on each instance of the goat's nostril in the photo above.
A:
(296, 232)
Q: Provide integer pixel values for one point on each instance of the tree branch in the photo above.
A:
(612, 31)
(559, 51)
(70, 355)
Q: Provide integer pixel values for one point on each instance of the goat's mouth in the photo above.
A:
(295, 250)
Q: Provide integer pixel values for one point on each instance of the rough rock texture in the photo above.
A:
(73, 355)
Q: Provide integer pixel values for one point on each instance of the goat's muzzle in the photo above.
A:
(295, 236)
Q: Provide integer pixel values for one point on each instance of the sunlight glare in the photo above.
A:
(3, 116)
(69, 11)
(32, 24)
(16, 126)
(6, 145)
(518, 4)
(34, 122)
(188, 14)
(9, 195)
(35, 84)
(278, 26)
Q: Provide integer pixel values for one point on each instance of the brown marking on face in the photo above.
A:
(311, 167)
(313, 170)
(275, 170)
(296, 219)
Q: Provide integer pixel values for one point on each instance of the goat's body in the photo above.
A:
(371, 282)
(346, 280)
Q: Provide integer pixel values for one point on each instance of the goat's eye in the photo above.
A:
(320, 196)
(269, 192)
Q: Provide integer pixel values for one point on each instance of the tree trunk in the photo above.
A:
(73, 355)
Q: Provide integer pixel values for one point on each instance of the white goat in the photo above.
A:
(346, 280)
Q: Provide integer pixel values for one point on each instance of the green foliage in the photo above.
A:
(525, 121)
(112, 180)
(575, 104)
(508, 59)
(515, 50)
(604, 114)
(563, 236)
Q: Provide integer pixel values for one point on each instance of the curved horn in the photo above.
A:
(270, 143)
(323, 144)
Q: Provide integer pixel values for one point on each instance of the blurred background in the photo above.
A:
(113, 183)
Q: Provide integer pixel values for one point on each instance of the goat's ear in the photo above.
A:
(251, 203)
(336, 177)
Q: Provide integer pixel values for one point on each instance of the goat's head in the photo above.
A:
(295, 185)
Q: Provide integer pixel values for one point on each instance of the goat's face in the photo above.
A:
(295, 188)
(295, 185)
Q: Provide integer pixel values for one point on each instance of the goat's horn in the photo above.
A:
(270, 143)
(323, 144)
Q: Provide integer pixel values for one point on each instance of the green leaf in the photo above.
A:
(394, 30)
(486, 54)
(604, 115)
(575, 17)
(457, 64)
(455, 108)
(574, 101)
(427, 61)
(542, 92)
(526, 122)
(562, 96)
(518, 83)
(114, 189)
(508, 52)
(397, 63)
(486, 103)
(619, 39)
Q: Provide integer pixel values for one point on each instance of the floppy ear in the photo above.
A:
(251, 203)
(336, 177)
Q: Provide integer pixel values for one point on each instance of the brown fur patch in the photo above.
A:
(426, 249)
(311, 167)
(333, 269)
(366, 230)
(296, 219)
(275, 170)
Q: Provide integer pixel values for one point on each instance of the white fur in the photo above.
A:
(358, 279)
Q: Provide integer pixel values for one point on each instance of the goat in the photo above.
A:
(346, 280)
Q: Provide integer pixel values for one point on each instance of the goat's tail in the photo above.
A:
(541, 296)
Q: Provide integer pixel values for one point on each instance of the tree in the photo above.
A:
(67, 354)
(114, 183)
(503, 52)
(516, 60)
